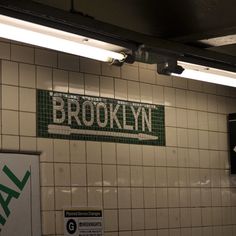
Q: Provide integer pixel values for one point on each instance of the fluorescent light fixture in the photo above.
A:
(220, 41)
(207, 74)
(39, 35)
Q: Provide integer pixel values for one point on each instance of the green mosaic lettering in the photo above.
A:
(19, 183)
(5, 202)
(2, 221)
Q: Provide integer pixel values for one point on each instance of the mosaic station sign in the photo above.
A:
(80, 117)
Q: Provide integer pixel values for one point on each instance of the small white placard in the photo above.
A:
(83, 222)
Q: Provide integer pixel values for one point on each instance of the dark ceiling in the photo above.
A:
(185, 21)
(181, 27)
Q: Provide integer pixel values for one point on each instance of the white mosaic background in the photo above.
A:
(179, 190)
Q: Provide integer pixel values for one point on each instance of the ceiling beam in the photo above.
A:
(80, 24)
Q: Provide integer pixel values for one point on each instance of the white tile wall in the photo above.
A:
(91, 85)
(45, 57)
(5, 50)
(9, 73)
(27, 124)
(76, 82)
(10, 122)
(107, 87)
(10, 97)
(68, 62)
(121, 89)
(22, 53)
(60, 80)
(10, 142)
(27, 75)
(181, 189)
(90, 66)
(129, 72)
(109, 70)
(44, 78)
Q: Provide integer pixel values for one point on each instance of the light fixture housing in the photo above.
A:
(206, 74)
(167, 66)
(55, 39)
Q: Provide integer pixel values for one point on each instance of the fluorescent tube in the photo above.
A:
(207, 74)
(39, 35)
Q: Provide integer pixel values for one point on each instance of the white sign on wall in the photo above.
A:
(83, 222)
(19, 195)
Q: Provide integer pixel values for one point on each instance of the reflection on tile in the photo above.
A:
(47, 198)
(110, 198)
(94, 175)
(123, 174)
(78, 175)
(109, 175)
